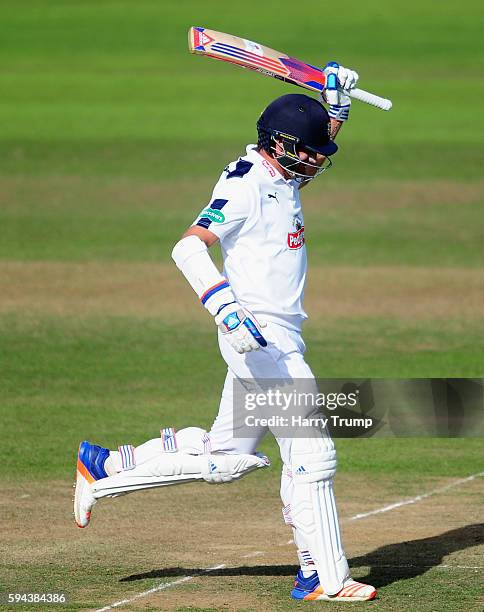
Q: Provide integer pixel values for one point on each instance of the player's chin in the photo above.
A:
(309, 172)
(302, 169)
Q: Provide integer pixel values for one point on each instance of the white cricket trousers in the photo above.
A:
(282, 358)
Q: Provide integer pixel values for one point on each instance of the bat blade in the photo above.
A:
(267, 61)
(252, 55)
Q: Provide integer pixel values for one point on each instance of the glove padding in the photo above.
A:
(339, 80)
(240, 328)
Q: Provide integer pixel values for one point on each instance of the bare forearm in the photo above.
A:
(205, 235)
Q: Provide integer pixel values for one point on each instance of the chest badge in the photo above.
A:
(295, 239)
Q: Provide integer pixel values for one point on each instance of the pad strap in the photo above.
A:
(168, 439)
(305, 560)
(207, 444)
(126, 454)
(286, 515)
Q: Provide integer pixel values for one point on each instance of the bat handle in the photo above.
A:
(369, 98)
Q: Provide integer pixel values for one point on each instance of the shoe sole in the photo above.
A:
(346, 599)
(318, 596)
(83, 479)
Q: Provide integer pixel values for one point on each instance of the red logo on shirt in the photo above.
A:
(269, 168)
(295, 240)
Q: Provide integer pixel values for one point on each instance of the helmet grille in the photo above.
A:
(264, 137)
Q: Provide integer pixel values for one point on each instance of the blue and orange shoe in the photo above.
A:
(309, 589)
(90, 467)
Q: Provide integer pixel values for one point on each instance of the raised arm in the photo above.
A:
(339, 80)
(336, 125)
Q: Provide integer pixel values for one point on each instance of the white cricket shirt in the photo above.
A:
(257, 217)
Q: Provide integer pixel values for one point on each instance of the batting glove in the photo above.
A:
(240, 328)
(339, 80)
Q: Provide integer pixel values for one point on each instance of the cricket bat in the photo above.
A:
(270, 62)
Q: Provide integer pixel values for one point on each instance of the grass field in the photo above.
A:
(112, 137)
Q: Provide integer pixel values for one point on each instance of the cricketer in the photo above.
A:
(257, 303)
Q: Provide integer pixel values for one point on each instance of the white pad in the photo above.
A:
(188, 463)
(313, 512)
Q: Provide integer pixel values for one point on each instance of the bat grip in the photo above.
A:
(369, 98)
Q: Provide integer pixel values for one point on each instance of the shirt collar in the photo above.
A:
(265, 168)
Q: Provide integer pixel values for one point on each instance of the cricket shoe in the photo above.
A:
(90, 467)
(309, 589)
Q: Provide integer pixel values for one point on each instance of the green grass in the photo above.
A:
(112, 89)
(118, 380)
(95, 219)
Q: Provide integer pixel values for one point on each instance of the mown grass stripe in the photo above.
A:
(417, 498)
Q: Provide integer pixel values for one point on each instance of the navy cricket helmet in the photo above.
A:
(298, 120)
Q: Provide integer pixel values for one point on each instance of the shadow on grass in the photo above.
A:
(387, 564)
(405, 560)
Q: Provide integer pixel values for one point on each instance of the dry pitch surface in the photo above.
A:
(226, 548)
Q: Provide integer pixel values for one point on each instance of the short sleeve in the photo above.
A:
(229, 207)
